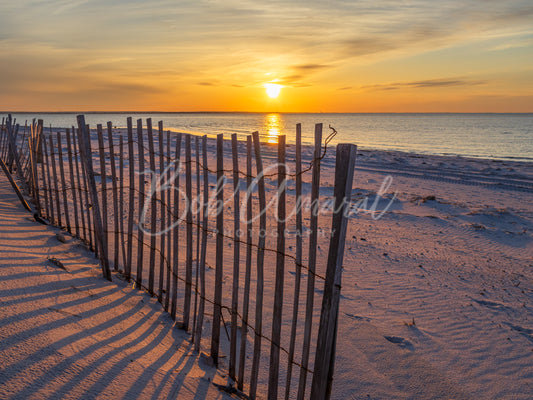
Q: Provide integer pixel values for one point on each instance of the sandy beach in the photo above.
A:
(66, 333)
(437, 293)
(436, 300)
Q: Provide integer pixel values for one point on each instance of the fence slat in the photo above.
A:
(219, 266)
(198, 215)
(203, 250)
(73, 184)
(327, 332)
(45, 188)
(3, 134)
(131, 203)
(313, 237)
(121, 200)
(22, 154)
(169, 220)
(85, 146)
(153, 203)
(260, 264)
(248, 271)
(54, 175)
(175, 233)
(63, 181)
(140, 233)
(236, 258)
(163, 211)
(188, 251)
(79, 177)
(90, 215)
(35, 179)
(298, 257)
(103, 183)
(115, 194)
(273, 376)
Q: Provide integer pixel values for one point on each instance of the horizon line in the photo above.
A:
(258, 112)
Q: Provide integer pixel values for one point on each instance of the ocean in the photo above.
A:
(492, 136)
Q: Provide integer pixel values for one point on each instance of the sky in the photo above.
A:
(329, 56)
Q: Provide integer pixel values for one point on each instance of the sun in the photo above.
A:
(272, 89)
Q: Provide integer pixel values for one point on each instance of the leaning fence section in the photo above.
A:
(225, 233)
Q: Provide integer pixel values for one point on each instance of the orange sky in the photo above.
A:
(336, 56)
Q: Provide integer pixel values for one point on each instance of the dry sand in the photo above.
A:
(65, 333)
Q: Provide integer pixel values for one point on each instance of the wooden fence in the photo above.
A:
(170, 214)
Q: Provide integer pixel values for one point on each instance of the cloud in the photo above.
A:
(310, 67)
(301, 74)
(368, 45)
(423, 84)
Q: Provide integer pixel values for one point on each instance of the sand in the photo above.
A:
(437, 295)
(66, 333)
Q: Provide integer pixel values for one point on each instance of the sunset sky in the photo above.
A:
(329, 56)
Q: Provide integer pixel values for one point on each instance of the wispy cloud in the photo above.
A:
(431, 83)
(311, 67)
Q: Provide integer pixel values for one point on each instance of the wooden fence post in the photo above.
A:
(163, 226)
(84, 141)
(54, 175)
(236, 257)
(273, 375)
(189, 238)
(103, 185)
(63, 181)
(327, 331)
(313, 237)
(248, 270)
(168, 210)
(81, 190)
(217, 308)
(298, 257)
(115, 193)
(198, 215)
(259, 265)
(175, 233)
(121, 201)
(201, 305)
(153, 205)
(45, 187)
(140, 233)
(72, 184)
(131, 203)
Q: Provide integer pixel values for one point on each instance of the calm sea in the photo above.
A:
(498, 136)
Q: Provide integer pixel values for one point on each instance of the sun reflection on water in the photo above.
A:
(272, 126)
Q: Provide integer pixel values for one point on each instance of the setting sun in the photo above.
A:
(272, 89)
